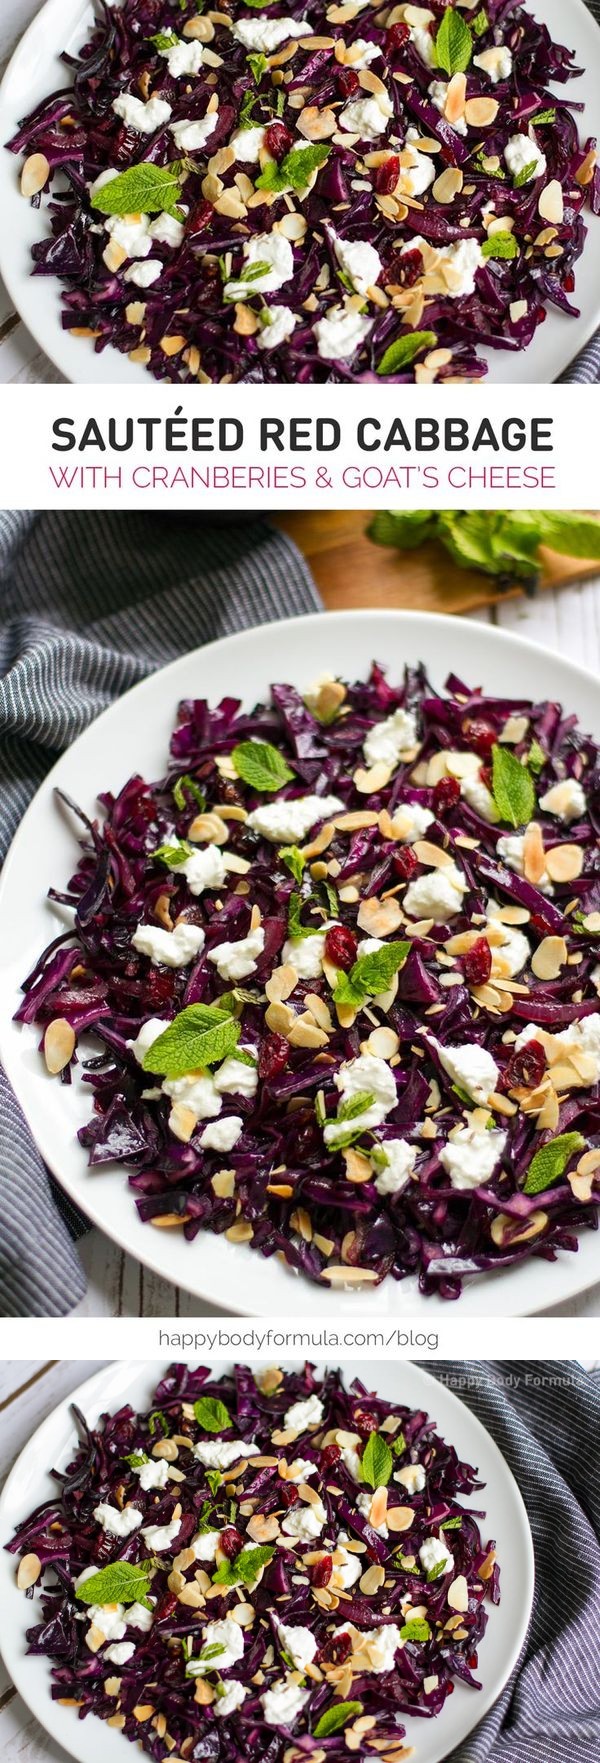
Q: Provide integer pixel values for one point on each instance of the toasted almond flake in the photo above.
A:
(183, 1122)
(400, 1518)
(549, 957)
(368, 782)
(355, 821)
(564, 863)
(282, 982)
(28, 1571)
(34, 175)
(240, 1232)
(203, 1694)
(550, 202)
(383, 1042)
(586, 170)
(306, 1033)
(432, 856)
(458, 1593)
(59, 1045)
(480, 113)
(166, 1449)
(170, 1220)
(448, 185)
(223, 1184)
(208, 829)
(117, 1720)
(231, 205)
(191, 1596)
(455, 98)
(502, 1229)
(143, 1711)
(349, 1275)
(379, 918)
(245, 321)
(315, 124)
(534, 856)
(172, 345)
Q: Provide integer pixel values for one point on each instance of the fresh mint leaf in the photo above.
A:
(399, 1444)
(136, 1459)
(526, 172)
(451, 1524)
(479, 165)
(336, 1717)
(199, 1036)
(512, 788)
(401, 352)
(214, 1479)
(188, 784)
(574, 535)
(405, 529)
(295, 170)
(355, 1105)
(212, 1651)
(370, 975)
(435, 1572)
(536, 758)
(261, 766)
(417, 1630)
(258, 65)
(296, 929)
(158, 1419)
(503, 245)
(293, 859)
(550, 1162)
(454, 43)
(142, 189)
(164, 40)
(211, 1414)
(246, 1567)
(173, 855)
(119, 1583)
(543, 116)
(376, 1463)
(480, 23)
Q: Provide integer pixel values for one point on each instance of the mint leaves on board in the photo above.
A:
(503, 544)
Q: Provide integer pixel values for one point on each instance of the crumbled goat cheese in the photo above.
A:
(225, 1634)
(471, 1155)
(189, 136)
(205, 1545)
(411, 822)
(366, 1075)
(521, 151)
(144, 118)
(283, 1702)
(204, 869)
(300, 1643)
(120, 1653)
(400, 1163)
(183, 58)
(383, 1644)
(154, 1474)
(412, 1477)
(387, 741)
(566, 800)
(303, 1414)
(266, 34)
(306, 953)
(496, 63)
(234, 1077)
(235, 961)
(464, 258)
(278, 322)
(283, 823)
(349, 1569)
(432, 1551)
(139, 1617)
(196, 1093)
(160, 1536)
(115, 1523)
(470, 1066)
(304, 1522)
(221, 1453)
(144, 274)
(247, 144)
(223, 1135)
(438, 894)
(367, 117)
(148, 1034)
(235, 1694)
(514, 949)
(167, 230)
(275, 251)
(341, 333)
(170, 948)
(359, 261)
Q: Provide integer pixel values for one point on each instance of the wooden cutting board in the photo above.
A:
(351, 571)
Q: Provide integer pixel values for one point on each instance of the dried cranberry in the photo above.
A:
(404, 862)
(278, 140)
(231, 1542)
(200, 217)
(364, 1423)
(341, 946)
(320, 1573)
(480, 736)
(446, 794)
(288, 1493)
(405, 268)
(526, 1068)
(329, 1456)
(396, 38)
(477, 963)
(348, 82)
(273, 1056)
(472, 1662)
(336, 1650)
(165, 1607)
(386, 175)
(569, 283)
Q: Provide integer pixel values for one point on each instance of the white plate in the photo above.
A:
(506, 1520)
(133, 735)
(36, 70)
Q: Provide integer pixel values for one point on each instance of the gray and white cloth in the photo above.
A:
(545, 1418)
(89, 604)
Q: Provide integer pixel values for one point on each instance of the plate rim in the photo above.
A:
(578, 1271)
(91, 1390)
(58, 346)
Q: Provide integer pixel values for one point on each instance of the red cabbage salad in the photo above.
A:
(343, 963)
(262, 1560)
(332, 193)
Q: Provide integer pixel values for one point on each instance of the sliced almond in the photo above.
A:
(240, 1232)
(551, 204)
(377, 1514)
(245, 321)
(587, 168)
(550, 955)
(203, 1694)
(448, 185)
(315, 124)
(28, 1572)
(383, 1042)
(455, 97)
(35, 174)
(379, 918)
(368, 782)
(564, 863)
(59, 1045)
(534, 857)
(283, 981)
(480, 113)
(458, 1593)
(263, 1530)
(208, 829)
(400, 1518)
(502, 1230)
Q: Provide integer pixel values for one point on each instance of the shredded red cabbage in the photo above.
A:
(383, 1619)
(360, 1133)
(404, 188)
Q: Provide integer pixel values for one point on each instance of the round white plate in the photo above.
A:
(36, 70)
(505, 1520)
(133, 735)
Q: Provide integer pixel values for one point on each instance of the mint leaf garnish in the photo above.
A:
(293, 859)
(199, 1036)
(187, 783)
(142, 189)
(336, 1717)
(417, 1630)
(295, 170)
(502, 245)
(551, 1161)
(454, 43)
(376, 1463)
(512, 788)
(120, 1583)
(404, 349)
(211, 1414)
(261, 766)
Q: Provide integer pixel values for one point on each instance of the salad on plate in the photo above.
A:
(263, 1561)
(344, 191)
(332, 983)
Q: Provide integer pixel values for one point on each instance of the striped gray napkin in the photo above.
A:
(585, 369)
(545, 1418)
(89, 604)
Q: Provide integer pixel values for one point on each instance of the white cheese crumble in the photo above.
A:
(521, 151)
(283, 823)
(167, 230)
(471, 1155)
(423, 43)
(464, 257)
(416, 177)
(154, 1474)
(131, 232)
(411, 822)
(204, 869)
(514, 948)
(364, 53)
(198, 1093)
(401, 1159)
(138, 1617)
(271, 249)
(479, 798)
(160, 1536)
(144, 118)
(169, 948)
(235, 1694)
(306, 953)
(266, 34)
(412, 1477)
(235, 1078)
(221, 1453)
(367, 117)
(438, 894)
(496, 63)
(146, 1037)
(205, 1545)
(115, 1523)
(119, 1653)
(349, 1569)
(432, 1552)
(247, 144)
(283, 1702)
(359, 261)
(566, 800)
(365, 1075)
(189, 136)
(304, 1522)
(278, 322)
(387, 741)
(182, 58)
(235, 961)
(471, 1067)
(510, 851)
(301, 1469)
(303, 1414)
(351, 1462)
(226, 1634)
(300, 1643)
(144, 274)
(108, 1618)
(223, 1135)
(383, 1644)
(341, 333)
